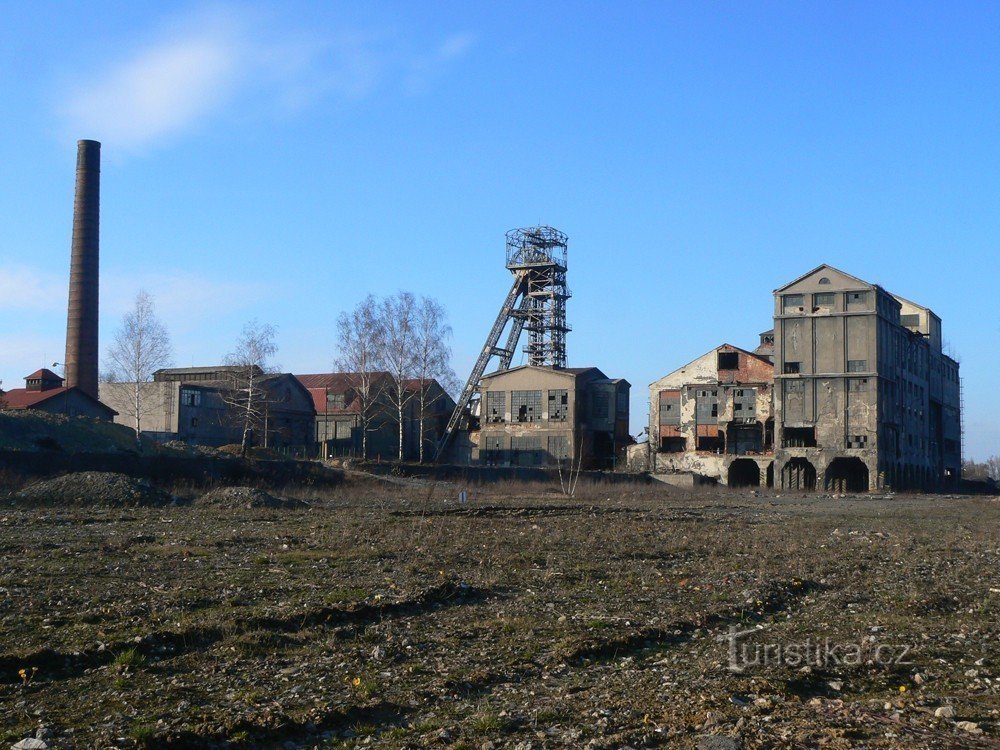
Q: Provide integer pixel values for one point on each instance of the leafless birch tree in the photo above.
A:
(359, 343)
(432, 361)
(139, 348)
(397, 354)
(251, 361)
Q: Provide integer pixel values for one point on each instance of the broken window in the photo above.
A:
(493, 453)
(857, 385)
(190, 397)
(792, 303)
(672, 444)
(599, 403)
(496, 405)
(823, 301)
(526, 451)
(824, 280)
(793, 368)
(729, 360)
(745, 403)
(670, 407)
(798, 437)
(857, 300)
(526, 406)
(857, 441)
(711, 443)
(335, 401)
(558, 405)
(558, 447)
(707, 407)
(857, 365)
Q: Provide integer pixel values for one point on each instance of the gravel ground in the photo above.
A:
(391, 616)
(93, 488)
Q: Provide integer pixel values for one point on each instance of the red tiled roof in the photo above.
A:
(22, 398)
(43, 374)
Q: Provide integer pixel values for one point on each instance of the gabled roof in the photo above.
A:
(337, 382)
(823, 267)
(320, 384)
(22, 398)
(43, 374)
(753, 355)
(911, 303)
(572, 372)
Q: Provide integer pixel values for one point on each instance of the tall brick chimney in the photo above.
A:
(81, 324)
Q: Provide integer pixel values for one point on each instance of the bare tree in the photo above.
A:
(986, 470)
(140, 347)
(397, 355)
(251, 362)
(432, 361)
(359, 343)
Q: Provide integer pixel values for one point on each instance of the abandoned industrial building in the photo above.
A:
(539, 416)
(340, 414)
(863, 397)
(189, 404)
(714, 417)
(542, 412)
(850, 390)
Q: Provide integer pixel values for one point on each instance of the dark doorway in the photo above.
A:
(673, 444)
(770, 474)
(798, 474)
(744, 473)
(744, 438)
(847, 475)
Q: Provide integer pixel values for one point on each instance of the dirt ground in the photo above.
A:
(391, 615)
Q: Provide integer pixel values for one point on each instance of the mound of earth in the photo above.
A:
(94, 488)
(246, 497)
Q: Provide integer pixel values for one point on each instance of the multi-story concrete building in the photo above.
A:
(188, 404)
(713, 417)
(865, 398)
(537, 416)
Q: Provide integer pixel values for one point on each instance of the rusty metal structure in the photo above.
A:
(536, 303)
(84, 289)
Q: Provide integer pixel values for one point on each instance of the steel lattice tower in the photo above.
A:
(536, 302)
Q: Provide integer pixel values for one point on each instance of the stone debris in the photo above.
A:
(247, 497)
(93, 488)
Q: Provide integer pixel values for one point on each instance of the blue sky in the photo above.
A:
(282, 160)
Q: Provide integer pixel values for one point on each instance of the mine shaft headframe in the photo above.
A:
(536, 303)
(536, 246)
(538, 259)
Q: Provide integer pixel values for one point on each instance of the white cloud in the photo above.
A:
(456, 46)
(183, 300)
(224, 56)
(164, 88)
(423, 69)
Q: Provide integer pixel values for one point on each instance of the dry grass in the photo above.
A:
(387, 610)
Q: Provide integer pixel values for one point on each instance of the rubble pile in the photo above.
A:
(87, 488)
(246, 497)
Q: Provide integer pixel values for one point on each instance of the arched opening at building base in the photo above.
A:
(744, 472)
(846, 475)
(798, 474)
